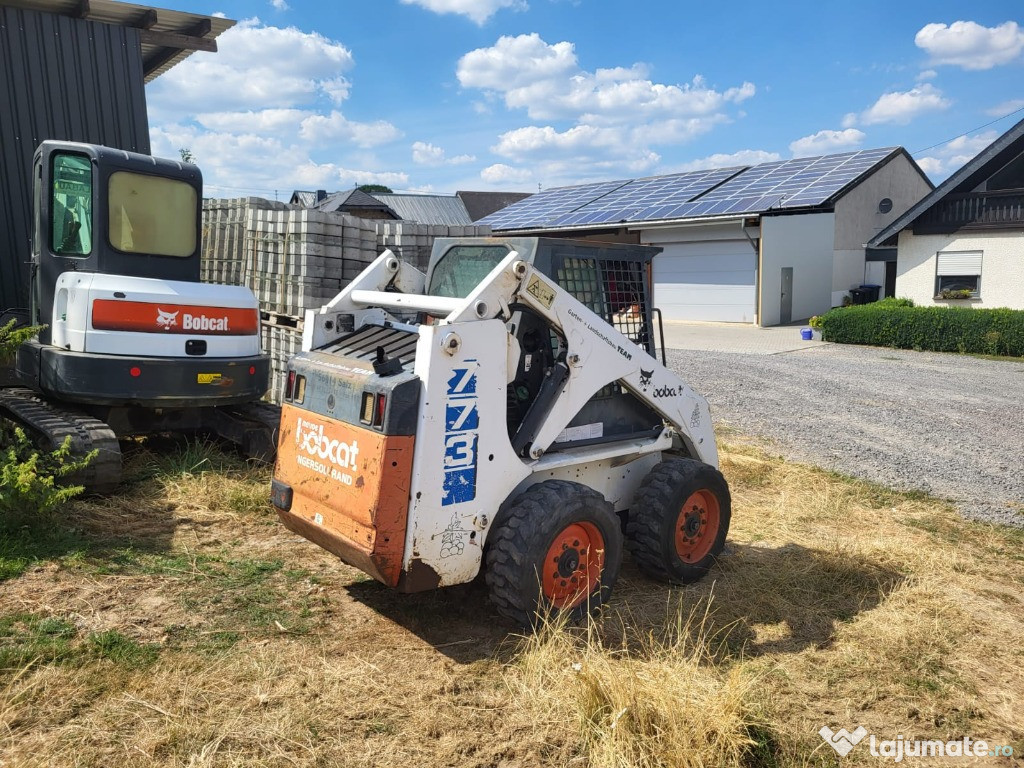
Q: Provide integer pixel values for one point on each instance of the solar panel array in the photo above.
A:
(786, 184)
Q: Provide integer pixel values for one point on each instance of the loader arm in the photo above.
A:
(597, 355)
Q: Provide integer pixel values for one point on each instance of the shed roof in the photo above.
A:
(427, 209)
(991, 159)
(167, 37)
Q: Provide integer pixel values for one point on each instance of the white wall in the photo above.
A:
(705, 272)
(858, 219)
(804, 243)
(1002, 267)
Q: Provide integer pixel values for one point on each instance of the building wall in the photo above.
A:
(804, 243)
(706, 272)
(60, 78)
(1002, 267)
(858, 219)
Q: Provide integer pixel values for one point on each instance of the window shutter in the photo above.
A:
(959, 263)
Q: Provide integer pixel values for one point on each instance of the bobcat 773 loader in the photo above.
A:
(504, 412)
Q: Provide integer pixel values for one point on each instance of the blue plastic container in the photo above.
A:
(806, 334)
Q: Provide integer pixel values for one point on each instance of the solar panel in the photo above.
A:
(801, 182)
(785, 184)
(635, 200)
(545, 208)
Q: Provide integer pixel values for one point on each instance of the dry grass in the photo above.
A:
(180, 625)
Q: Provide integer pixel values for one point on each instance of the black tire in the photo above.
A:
(668, 542)
(521, 540)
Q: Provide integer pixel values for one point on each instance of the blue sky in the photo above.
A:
(446, 95)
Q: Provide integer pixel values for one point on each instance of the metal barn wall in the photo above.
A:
(60, 78)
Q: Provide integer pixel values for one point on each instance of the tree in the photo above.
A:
(371, 189)
(186, 155)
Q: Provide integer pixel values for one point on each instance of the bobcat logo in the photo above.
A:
(166, 319)
(645, 378)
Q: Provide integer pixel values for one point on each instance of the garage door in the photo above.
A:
(710, 280)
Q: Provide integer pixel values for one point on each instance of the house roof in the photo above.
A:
(350, 199)
(166, 37)
(480, 204)
(974, 172)
(428, 209)
(306, 198)
(809, 183)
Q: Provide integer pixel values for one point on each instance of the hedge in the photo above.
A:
(890, 323)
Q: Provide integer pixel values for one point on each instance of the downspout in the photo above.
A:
(757, 269)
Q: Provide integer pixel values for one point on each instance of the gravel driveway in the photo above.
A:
(949, 425)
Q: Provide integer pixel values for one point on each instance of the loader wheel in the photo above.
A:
(557, 549)
(679, 520)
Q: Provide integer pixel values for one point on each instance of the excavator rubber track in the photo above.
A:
(50, 424)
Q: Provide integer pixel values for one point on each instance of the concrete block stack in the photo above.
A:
(294, 259)
(412, 242)
(224, 238)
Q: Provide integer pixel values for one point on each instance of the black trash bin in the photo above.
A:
(857, 296)
(871, 293)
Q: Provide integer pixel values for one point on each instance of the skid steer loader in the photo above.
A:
(504, 412)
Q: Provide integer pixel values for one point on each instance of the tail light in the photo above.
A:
(366, 411)
(289, 388)
(378, 416)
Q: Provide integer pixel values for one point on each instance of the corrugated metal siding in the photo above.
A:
(60, 78)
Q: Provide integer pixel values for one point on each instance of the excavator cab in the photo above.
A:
(107, 211)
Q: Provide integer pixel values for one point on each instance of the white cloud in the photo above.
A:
(477, 10)
(336, 127)
(720, 160)
(932, 166)
(928, 74)
(824, 142)
(900, 107)
(501, 174)
(548, 83)
(951, 156)
(609, 120)
(969, 45)
(280, 5)
(259, 113)
(424, 153)
(1005, 108)
(256, 67)
(263, 122)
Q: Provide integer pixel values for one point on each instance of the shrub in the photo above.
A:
(890, 323)
(29, 478)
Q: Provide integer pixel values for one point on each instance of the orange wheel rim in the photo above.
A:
(572, 565)
(697, 526)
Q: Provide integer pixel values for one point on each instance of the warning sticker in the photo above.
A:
(541, 291)
(208, 378)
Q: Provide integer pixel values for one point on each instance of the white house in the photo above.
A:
(768, 244)
(963, 244)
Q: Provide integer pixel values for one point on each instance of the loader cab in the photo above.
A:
(103, 210)
(611, 279)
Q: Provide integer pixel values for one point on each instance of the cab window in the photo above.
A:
(462, 268)
(71, 205)
(151, 214)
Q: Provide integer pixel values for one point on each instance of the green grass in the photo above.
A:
(27, 638)
(23, 545)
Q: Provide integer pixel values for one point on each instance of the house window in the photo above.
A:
(958, 275)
